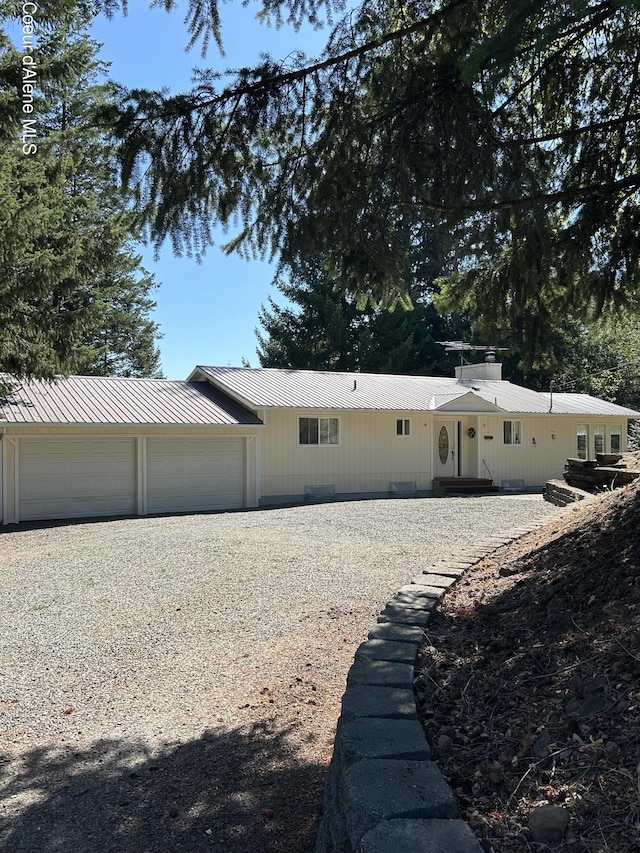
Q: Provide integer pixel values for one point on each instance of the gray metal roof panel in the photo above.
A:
(117, 400)
(585, 404)
(276, 388)
(509, 397)
(109, 400)
(518, 400)
(308, 389)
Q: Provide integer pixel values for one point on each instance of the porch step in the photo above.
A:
(463, 486)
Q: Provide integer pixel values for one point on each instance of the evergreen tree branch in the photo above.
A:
(582, 28)
(271, 82)
(573, 132)
(572, 194)
(513, 127)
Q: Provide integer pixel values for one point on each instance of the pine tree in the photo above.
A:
(633, 439)
(322, 329)
(317, 330)
(124, 341)
(601, 358)
(73, 296)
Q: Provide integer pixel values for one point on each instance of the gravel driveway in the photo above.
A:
(172, 684)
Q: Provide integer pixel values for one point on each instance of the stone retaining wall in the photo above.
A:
(383, 793)
(561, 494)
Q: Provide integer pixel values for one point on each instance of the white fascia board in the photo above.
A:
(229, 392)
(482, 406)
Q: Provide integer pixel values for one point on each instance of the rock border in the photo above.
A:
(383, 793)
(560, 493)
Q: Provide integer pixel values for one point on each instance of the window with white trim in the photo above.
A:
(512, 432)
(582, 441)
(318, 431)
(599, 438)
(615, 438)
(403, 426)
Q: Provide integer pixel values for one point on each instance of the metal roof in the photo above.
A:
(268, 388)
(116, 400)
(583, 404)
(275, 388)
(518, 400)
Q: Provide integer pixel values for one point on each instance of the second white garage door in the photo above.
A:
(194, 475)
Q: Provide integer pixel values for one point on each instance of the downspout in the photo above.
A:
(551, 386)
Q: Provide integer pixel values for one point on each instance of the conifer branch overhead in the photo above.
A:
(511, 126)
(574, 194)
(276, 80)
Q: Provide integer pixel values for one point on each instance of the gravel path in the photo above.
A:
(172, 684)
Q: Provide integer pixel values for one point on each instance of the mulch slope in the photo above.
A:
(528, 683)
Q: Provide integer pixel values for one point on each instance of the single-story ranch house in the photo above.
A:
(230, 438)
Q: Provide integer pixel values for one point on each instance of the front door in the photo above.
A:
(445, 463)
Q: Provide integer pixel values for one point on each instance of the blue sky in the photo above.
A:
(207, 312)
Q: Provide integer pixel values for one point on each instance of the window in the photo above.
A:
(512, 432)
(403, 426)
(443, 445)
(615, 439)
(318, 430)
(582, 441)
(599, 433)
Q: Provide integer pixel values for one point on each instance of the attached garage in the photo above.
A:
(74, 478)
(194, 475)
(91, 446)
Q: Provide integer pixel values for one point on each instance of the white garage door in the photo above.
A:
(72, 478)
(192, 475)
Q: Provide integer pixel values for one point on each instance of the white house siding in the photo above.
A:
(534, 462)
(104, 484)
(471, 461)
(9, 496)
(368, 458)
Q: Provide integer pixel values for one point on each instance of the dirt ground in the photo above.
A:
(528, 684)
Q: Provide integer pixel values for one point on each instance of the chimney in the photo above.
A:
(490, 369)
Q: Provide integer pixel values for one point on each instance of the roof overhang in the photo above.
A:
(465, 403)
(199, 375)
